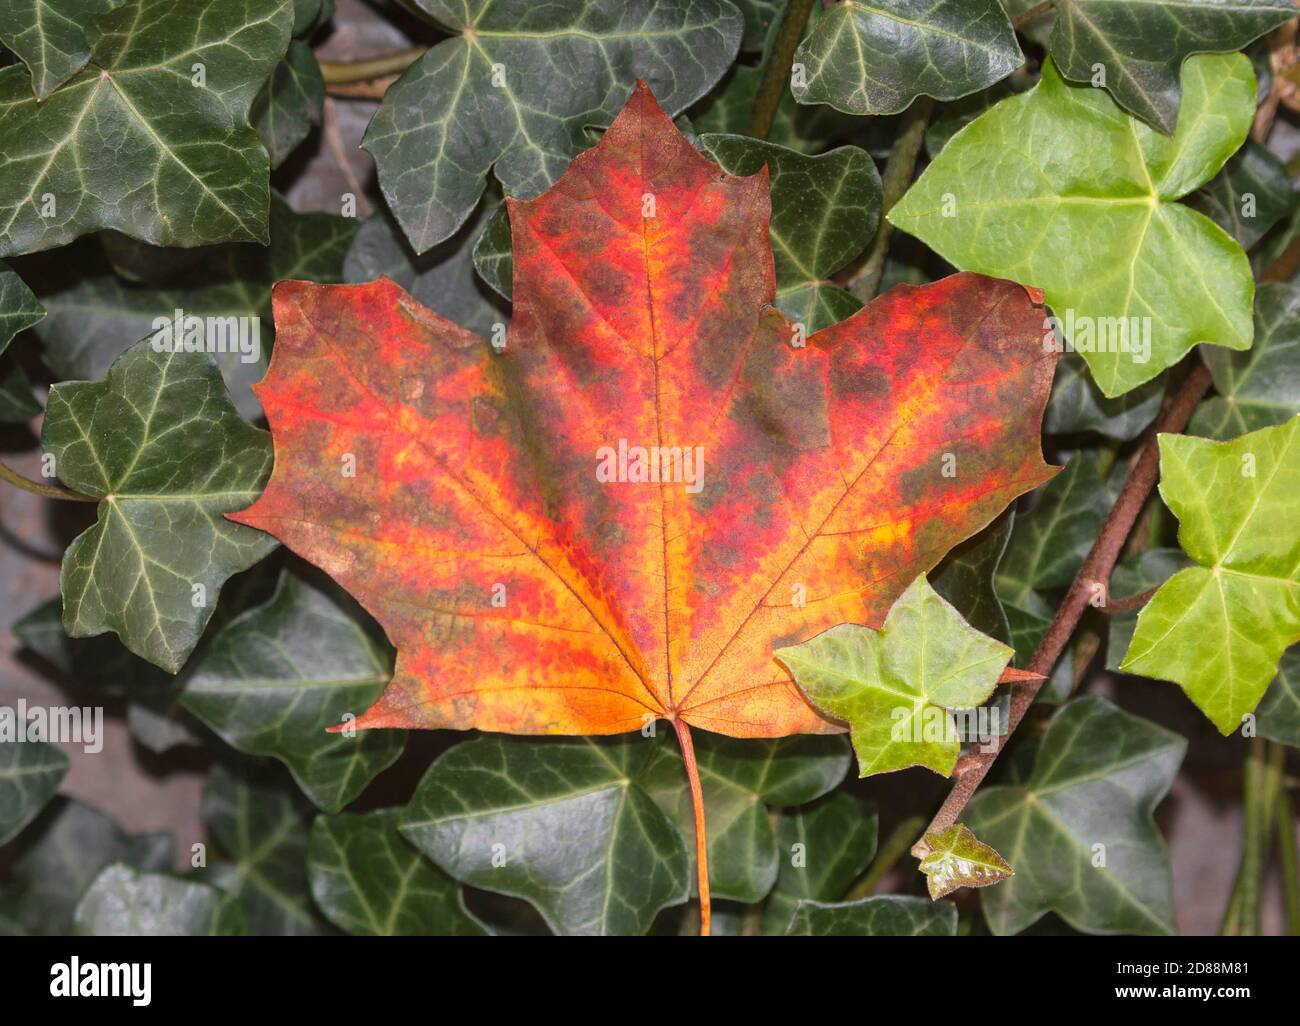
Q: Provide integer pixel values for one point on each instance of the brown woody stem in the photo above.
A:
(50, 491)
(772, 88)
(1096, 569)
(697, 804)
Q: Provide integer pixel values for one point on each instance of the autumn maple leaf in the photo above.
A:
(485, 505)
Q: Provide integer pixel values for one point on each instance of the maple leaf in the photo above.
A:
(453, 489)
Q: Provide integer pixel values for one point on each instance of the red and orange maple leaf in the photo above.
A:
(528, 596)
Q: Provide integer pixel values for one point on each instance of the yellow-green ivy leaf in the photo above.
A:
(1219, 629)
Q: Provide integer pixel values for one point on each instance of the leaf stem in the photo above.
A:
(697, 804)
(1142, 476)
(899, 169)
(1286, 844)
(50, 491)
(1118, 607)
(777, 71)
(1262, 788)
(344, 72)
(890, 852)
(1033, 14)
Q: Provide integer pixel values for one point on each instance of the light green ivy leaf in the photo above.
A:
(1058, 188)
(895, 687)
(1141, 572)
(160, 445)
(1218, 629)
(1079, 828)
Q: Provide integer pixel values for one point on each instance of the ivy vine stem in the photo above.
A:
(50, 491)
(697, 805)
(772, 87)
(899, 169)
(1262, 791)
(890, 852)
(1290, 863)
(346, 72)
(1096, 569)
(1033, 14)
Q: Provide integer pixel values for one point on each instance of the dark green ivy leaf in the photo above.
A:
(160, 445)
(965, 579)
(19, 307)
(98, 315)
(1250, 195)
(369, 881)
(444, 278)
(1259, 387)
(291, 103)
(824, 848)
(516, 86)
(19, 310)
(62, 854)
(1078, 405)
(49, 36)
(1049, 542)
(260, 828)
(17, 402)
(738, 777)
(760, 16)
(561, 824)
(132, 142)
(123, 902)
(103, 665)
(868, 57)
(890, 915)
(30, 772)
(1278, 715)
(1079, 829)
(277, 675)
(1139, 45)
(824, 210)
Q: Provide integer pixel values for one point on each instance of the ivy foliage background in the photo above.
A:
(154, 160)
